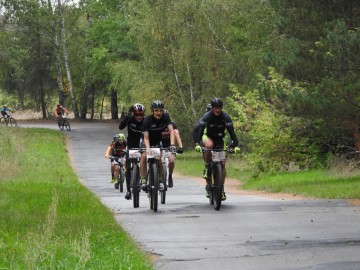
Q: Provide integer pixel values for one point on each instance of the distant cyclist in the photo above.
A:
(5, 110)
(165, 139)
(215, 122)
(134, 123)
(115, 151)
(59, 111)
(154, 125)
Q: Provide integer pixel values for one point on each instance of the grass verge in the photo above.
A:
(48, 219)
(311, 183)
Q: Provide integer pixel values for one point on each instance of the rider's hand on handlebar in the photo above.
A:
(198, 148)
(237, 150)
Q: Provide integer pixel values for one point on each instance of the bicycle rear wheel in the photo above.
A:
(12, 122)
(121, 178)
(61, 124)
(67, 125)
(218, 186)
(135, 177)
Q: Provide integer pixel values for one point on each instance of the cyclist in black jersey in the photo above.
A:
(134, 123)
(154, 125)
(215, 122)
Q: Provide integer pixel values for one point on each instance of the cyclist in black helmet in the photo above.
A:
(134, 123)
(154, 125)
(210, 131)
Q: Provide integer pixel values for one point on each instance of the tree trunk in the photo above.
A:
(92, 101)
(114, 106)
(66, 62)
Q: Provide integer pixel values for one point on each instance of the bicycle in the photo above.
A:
(8, 121)
(215, 174)
(64, 123)
(119, 172)
(135, 182)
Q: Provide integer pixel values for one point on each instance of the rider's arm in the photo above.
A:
(65, 110)
(178, 138)
(146, 139)
(230, 129)
(172, 135)
(107, 153)
(55, 113)
(124, 122)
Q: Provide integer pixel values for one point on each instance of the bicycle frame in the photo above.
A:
(134, 159)
(153, 160)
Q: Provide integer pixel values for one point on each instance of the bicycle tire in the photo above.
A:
(218, 186)
(121, 178)
(211, 197)
(135, 177)
(165, 182)
(154, 186)
(67, 125)
(12, 122)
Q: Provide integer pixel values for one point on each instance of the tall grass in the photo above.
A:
(48, 220)
(337, 182)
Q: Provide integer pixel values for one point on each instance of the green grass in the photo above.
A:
(48, 219)
(311, 183)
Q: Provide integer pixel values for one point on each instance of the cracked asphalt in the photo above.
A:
(249, 232)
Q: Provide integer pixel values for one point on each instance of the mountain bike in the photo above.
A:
(135, 182)
(215, 174)
(64, 123)
(8, 121)
(119, 172)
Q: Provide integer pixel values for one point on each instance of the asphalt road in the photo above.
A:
(249, 232)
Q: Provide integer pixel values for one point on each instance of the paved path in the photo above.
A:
(249, 232)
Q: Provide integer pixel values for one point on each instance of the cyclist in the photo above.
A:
(154, 125)
(165, 140)
(5, 110)
(116, 150)
(58, 112)
(215, 122)
(134, 123)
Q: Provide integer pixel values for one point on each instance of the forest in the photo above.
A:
(288, 71)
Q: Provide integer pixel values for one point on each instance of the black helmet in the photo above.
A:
(157, 104)
(139, 109)
(216, 102)
(208, 107)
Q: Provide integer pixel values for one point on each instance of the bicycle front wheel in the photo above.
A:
(154, 186)
(12, 122)
(67, 125)
(135, 177)
(218, 186)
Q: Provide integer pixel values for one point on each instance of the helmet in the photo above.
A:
(157, 104)
(139, 109)
(121, 137)
(216, 102)
(208, 107)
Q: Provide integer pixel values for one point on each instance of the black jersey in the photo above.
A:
(215, 127)
(155, 127)
(135, 130)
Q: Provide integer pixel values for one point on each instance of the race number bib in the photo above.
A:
(153, 153)
(134, 153)
(218, 156)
